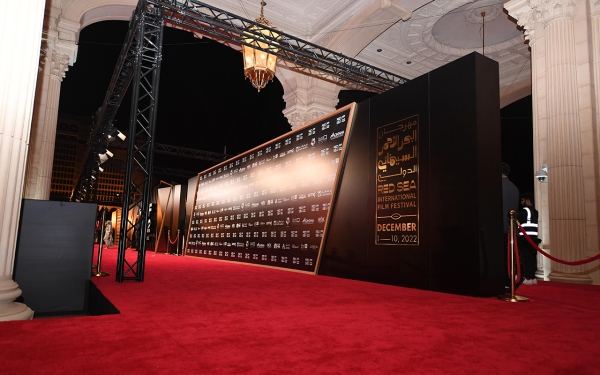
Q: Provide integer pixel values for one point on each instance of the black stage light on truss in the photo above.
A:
(102, 158)
(118, 134)
(103, 155)
(112, 132)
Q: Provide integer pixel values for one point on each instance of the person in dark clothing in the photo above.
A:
(135, 238)
(510, 196)
(528, 218)
(510, 201)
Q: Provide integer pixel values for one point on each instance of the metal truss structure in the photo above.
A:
(145, 49)
(197, 16)
(190, 153)
(184, 152)
(100, 196)
(140, 61)
(173, 172)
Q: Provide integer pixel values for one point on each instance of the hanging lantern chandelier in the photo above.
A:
(259, 66)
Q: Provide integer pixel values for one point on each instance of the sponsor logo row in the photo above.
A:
(318, 172)
(267, 186)
(258, 224)
(287, 142)
(264, 202)
(254, 245)
(210, 216)
(255, 257)
(247, 166)
(318, 233)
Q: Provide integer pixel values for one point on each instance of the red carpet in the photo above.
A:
(195, 316)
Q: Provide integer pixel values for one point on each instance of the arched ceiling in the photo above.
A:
(411, 39)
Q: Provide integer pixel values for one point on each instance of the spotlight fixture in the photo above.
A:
(103, 155)
(259, 66)
(111, 132)
(118, 134)
(103, 158)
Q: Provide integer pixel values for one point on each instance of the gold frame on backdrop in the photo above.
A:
(336, 183)
(187, 238)
(164, 214)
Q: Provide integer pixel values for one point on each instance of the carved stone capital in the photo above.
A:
(60, 64)
(43, 55)
(60, 34)
(525, 15)
(295, 117)
(306, 97)
(67, 38)
(314, 114)
(548, 10)
(527, 22)
(595, 8)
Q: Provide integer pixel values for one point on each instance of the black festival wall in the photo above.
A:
(420, 202)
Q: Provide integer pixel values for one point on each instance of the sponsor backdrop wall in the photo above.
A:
(402, 189)
(270, 205)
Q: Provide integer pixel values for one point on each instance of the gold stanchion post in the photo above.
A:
(183, 246)
(100, 242)
(168, 241)
(512, 297)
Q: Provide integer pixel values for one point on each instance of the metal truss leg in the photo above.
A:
(147, 48)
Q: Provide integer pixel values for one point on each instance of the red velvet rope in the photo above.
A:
(574, 263)
(176, 238)
(517, 259)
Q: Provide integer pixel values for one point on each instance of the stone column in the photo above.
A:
(521, 11)
(58, 67)
(540, 131)
(43, 126)
(557, 132)
(39, 114)
(20, 37)
(595, 102)
(565, 186)
(58, 52)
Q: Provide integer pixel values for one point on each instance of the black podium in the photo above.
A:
(54, 256)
